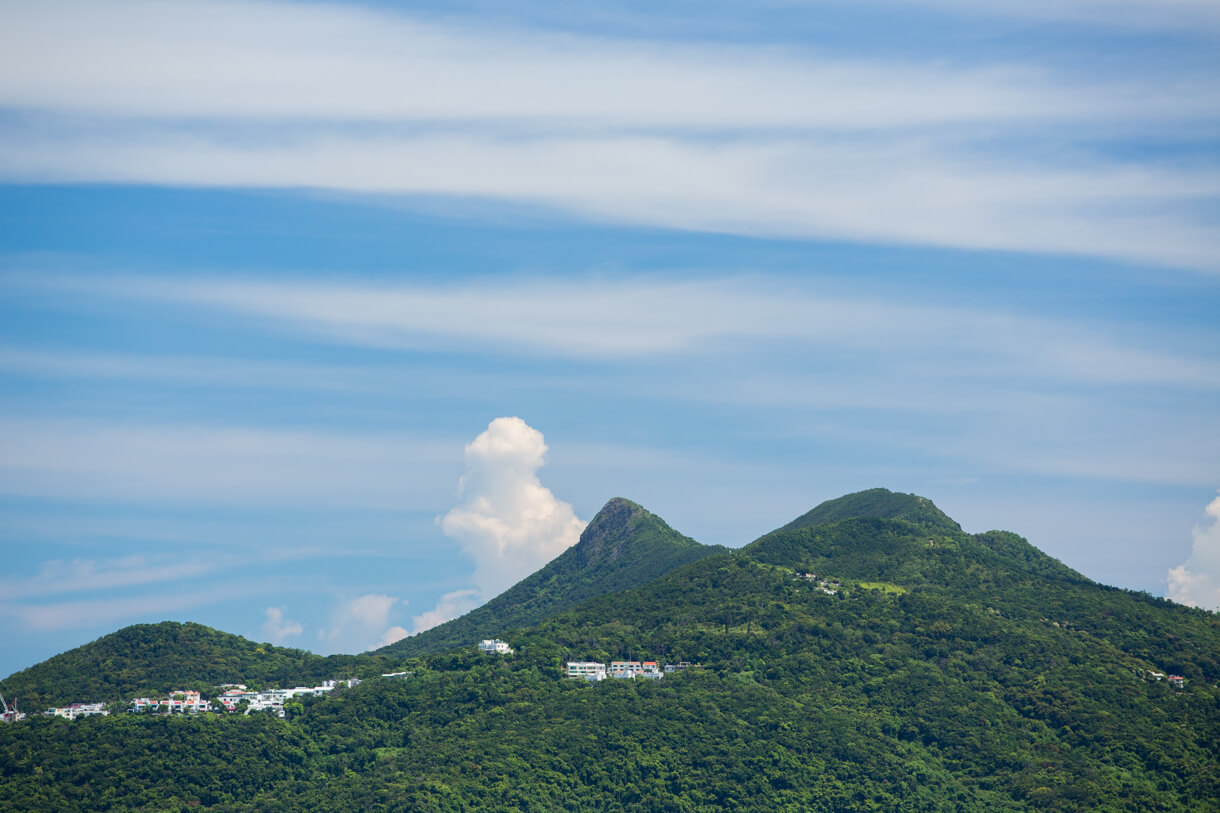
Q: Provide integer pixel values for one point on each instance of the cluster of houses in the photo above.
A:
(180, 701)
(233, 696)
(236, 696)
(828, 587)
(1176, 681)
(186, 701)
(594, 671)
(78, 710)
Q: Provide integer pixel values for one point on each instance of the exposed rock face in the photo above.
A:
(607, 534)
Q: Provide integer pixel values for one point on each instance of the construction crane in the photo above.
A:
(10, 713)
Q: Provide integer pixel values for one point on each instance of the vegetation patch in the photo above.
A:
(885, 587)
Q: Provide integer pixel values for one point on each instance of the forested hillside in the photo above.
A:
(921, 669)
(156, 658)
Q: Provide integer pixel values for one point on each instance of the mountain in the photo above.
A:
(623, 546)
(922, 669)
(883, 535)
(156, 658)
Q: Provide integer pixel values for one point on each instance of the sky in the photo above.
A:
(322, 323)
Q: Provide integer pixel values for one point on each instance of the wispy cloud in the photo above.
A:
(277, 628)
(451, 605)
(744, 139)
(1197, 16)
(361, 623)
(86, 575)
(267, 60)
(891, 191)
(97, 612)
(254, 465)
(611, 318)
(197, 370)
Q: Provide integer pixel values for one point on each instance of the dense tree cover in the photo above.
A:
(156, 658)
(879, 503)
(623, 546)
(146, 762)
(971, 674)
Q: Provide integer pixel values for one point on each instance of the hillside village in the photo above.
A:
(235, 697)
(594, 671)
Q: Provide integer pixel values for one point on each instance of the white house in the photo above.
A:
(625, 669)
(495, 647)
(77, 710)
(588, 670)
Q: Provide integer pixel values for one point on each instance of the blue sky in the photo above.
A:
(271, 272)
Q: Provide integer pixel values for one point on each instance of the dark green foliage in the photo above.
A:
(155, 658)
(623, 546)
(880, 503)
(151, 763)
(971, 674)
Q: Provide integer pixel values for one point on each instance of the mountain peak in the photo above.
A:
(623, 546)
(878, 503)
(604, 538)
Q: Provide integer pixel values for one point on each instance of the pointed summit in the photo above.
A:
(624, 546)
(624, 530)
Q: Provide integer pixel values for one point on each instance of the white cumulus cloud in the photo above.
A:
(363, 623)
(1196, 582)
(277, 627)
(392, 635)
(507, 521)
(451, 605)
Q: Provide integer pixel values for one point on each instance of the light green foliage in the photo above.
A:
(884, 587)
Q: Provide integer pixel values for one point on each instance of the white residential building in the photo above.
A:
(495, 647)
(178, 702)
(78, 710)
(588, 670)
(651, 671)
(625, 669)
